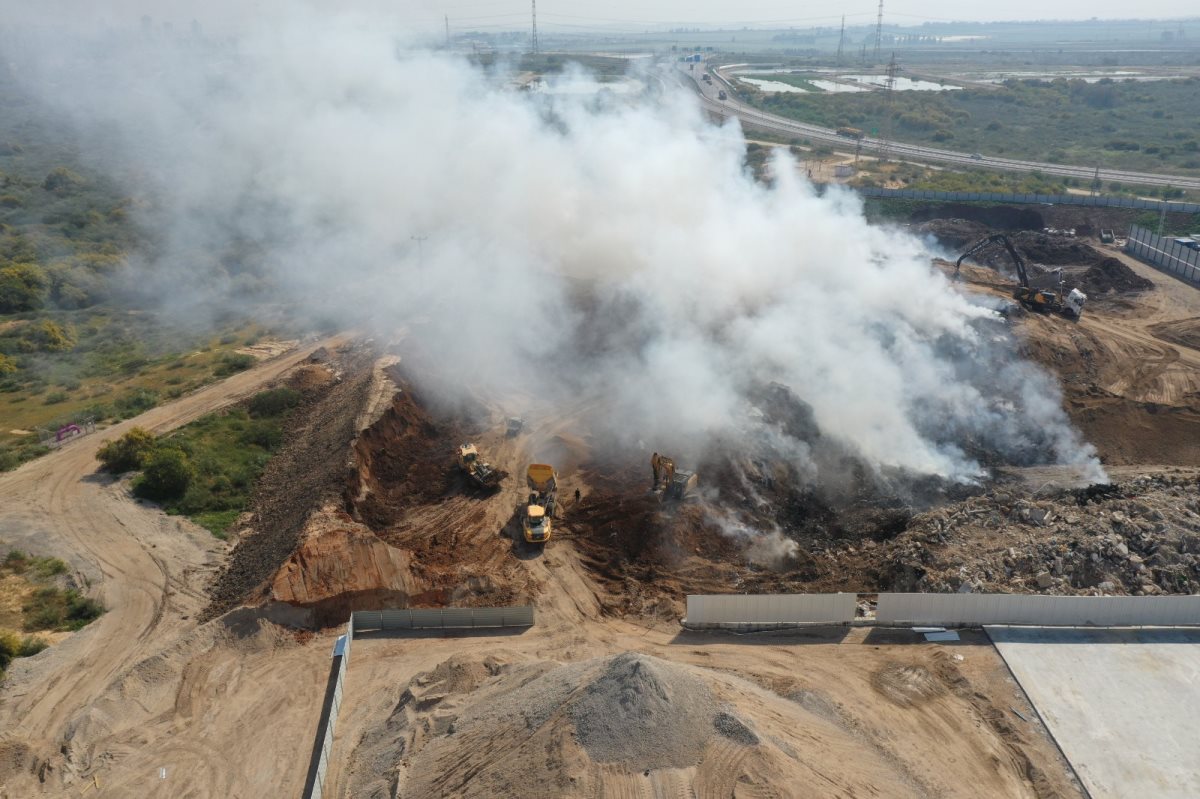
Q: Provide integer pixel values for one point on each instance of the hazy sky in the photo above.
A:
(568, 15)
(806, 13)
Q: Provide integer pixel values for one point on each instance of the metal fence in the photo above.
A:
(1098, 201)
(318, 765)
(706, 610)
(1165, 253)
(440, 618)
(1034, 609)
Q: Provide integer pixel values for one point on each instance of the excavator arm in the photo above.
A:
(1018, 261)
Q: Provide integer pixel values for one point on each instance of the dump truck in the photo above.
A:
(543, 492)
(669, 481)
(850, 133)
(477, 469)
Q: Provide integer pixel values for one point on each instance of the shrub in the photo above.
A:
(274, 401)
(53, 609)
(31, 645)
(135, 402)
(61, 181)
(167, 475)
(8, 365)
(22, 288)
(127, 453)
(232, 363)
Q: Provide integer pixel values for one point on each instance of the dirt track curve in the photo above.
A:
(148, 569)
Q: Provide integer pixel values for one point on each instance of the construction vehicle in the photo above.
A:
(1107, 236)
(479, 470)
(850, 133)
(1069, 304)
(672, 483)
(543, 492)
(721, 95)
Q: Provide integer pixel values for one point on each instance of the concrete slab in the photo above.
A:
(1123, 704)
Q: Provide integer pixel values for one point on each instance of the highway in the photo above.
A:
(790, 128)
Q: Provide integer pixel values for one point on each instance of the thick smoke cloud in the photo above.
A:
(604, 251)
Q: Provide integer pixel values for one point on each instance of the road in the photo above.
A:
(782, 126)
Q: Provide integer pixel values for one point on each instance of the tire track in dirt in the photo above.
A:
(129, 553)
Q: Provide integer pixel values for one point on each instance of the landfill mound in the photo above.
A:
(1133, 538)
(1110, 275)
(954, 234)
(625, 724)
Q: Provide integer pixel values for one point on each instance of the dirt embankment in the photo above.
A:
(310, 468)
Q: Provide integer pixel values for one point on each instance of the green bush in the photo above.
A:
(167, 475)
(232, 363)
(274, 401)
(128, 452)
(31, 645)
(62, 181)
(51, 608)
(135, 402)
(22, 288)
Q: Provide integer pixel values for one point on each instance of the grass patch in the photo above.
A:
(42, 603)
(206, 470)
(52, 608)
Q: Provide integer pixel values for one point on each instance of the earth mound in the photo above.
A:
(1110, 275)
(628, 724)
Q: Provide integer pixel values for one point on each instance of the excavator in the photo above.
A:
(479, 470)
(672, 483)
(543, 492)
(1068, 304)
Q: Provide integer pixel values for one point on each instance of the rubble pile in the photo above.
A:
(1140, 538)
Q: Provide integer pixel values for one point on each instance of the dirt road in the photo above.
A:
(148, 569)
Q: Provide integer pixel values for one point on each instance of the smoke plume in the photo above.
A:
(608, 252)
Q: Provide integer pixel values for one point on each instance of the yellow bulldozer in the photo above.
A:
(671, 482)
(476, 468)
(543, 493)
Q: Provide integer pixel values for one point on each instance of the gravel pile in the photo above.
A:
(644, 713)
(632, 709)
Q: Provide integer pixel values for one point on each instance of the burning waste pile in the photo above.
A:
(557, 246)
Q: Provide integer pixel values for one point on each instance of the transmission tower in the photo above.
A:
(447, 31)
(533, 39)
(878, 31)
(841, 41)
(889, 85)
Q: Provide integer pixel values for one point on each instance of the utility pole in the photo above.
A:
(420, 240)
(841, 40)
(878, 31)
(1162, 218)
(533, 39)
(447, 31)
(888, 95)
(1096, 182)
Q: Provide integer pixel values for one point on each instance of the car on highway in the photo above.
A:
(977, 156)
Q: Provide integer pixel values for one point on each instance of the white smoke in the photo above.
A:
(393, 187)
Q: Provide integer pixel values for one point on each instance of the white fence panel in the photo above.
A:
(770, 608)
(1035, 609)
(442, 618)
